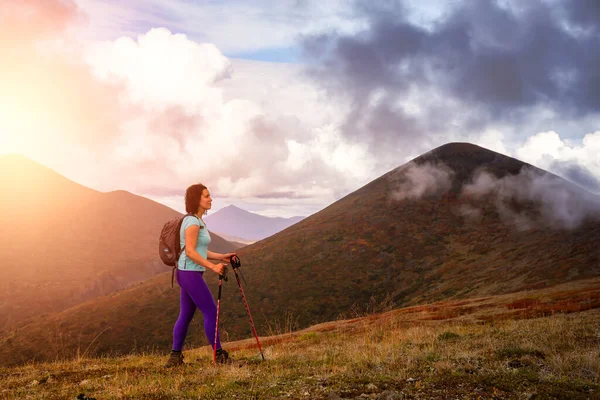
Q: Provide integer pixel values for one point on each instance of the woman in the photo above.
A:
(190, 269)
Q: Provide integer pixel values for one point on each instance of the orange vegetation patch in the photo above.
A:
(523, 303)
(447, 313)
(558, 303)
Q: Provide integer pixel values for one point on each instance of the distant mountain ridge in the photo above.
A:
(235, 239)
(239, 223)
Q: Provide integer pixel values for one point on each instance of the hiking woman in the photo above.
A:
(190, 269)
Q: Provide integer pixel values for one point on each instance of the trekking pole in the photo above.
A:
(221, 277)
(235, 264)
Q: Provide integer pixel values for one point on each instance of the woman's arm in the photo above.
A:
(214, 256)
(218, 256)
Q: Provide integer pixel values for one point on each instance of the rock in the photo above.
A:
(333, 396)
(389, 395)
(515, 364)
(82, 396)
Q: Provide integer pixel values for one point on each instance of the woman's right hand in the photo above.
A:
(219, 268)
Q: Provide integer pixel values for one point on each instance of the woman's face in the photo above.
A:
(205, 200)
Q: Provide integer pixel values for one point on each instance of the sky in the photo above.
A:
(284, 107)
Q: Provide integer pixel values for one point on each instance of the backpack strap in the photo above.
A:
(181, 252)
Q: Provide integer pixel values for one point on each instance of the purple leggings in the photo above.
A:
(194, 293)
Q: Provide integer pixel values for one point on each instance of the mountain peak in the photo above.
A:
(453, 150)
(13, 155)
(232, 207)
(27, 181)
(460, 146)
(464, 159)
(13, 160)
(17, 167)
(234, 221)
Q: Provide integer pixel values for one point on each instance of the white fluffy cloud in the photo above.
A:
(249, 130)
(162, 69)
(548, 151)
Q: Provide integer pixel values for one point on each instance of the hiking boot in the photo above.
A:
(175, 359)
(223, 357)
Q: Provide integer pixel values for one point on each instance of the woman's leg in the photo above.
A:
(198, 291)
(187, 308)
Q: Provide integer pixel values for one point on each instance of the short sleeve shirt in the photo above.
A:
(185, 263)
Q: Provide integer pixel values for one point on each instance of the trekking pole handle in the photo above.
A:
(224, 275)
(235, 262)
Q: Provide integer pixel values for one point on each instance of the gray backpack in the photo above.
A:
(169, 243)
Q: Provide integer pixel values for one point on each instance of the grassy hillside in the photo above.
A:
(536, 344)
(62, 243)
(364, 253)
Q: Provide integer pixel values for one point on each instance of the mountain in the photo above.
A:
(241, 242)
(62, 243)
(233, 221)
(433, 229)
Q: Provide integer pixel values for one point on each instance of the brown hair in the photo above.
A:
(192, 197)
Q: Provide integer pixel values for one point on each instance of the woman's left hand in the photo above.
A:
(227, 257)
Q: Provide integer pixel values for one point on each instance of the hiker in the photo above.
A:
(190, 269)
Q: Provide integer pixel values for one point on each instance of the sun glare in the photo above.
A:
(10, 143)
(14, 141)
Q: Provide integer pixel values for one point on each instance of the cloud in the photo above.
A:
(533, 199)
(575, 173)
(414, 181)
(26, 20)
(198, 116)
(478, 66)
(155, 113)
(577, 163)
(161, 69)
(584, 15)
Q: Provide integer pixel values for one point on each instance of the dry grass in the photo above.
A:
(412, 351)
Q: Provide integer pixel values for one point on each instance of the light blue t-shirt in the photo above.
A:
(185, 263)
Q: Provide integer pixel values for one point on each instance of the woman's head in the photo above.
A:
(197, 199)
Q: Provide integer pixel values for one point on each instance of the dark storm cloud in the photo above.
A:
(585, 14)
(499, 61)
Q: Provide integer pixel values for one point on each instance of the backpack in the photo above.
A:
(169, 243)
